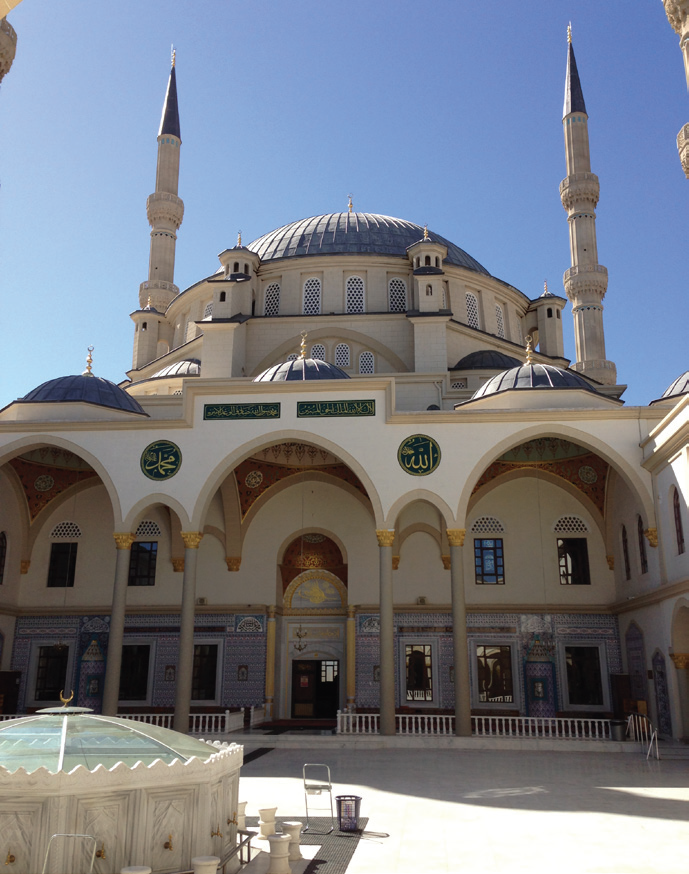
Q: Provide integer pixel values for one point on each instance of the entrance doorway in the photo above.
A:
(315, 688)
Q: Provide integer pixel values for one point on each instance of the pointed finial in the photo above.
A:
(545, 287)
(425, 231)
(569, 33)
(148, 303)
(304, 335)
(529, 350)
(174, 55)
(89, 362)
(239, 239)
(350, 205)
(65, 701)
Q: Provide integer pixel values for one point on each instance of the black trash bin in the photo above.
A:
(348, 808)
(618, 729)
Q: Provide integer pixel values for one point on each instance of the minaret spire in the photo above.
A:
(586, 281)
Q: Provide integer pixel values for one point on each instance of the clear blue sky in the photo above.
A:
(442, 112)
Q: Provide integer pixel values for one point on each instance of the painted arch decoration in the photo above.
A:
(315, 592)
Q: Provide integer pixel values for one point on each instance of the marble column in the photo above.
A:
(351, 656)
(681, 662)
(113, 666)
(185, 661)
(270, 662)
(455, 537)
(387, 640)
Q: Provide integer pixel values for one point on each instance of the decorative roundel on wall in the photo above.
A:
(44, 483)
(161, 460)
(587, 474)
(419, 455)
(253, 479)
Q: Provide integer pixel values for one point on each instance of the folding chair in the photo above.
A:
(316, 782)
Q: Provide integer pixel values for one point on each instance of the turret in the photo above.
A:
(427, 258)
(544, 323)
(586, 281)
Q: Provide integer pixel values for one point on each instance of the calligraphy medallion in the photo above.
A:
(419, 455)
(161, 460)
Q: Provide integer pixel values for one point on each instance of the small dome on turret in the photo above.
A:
(678, 388)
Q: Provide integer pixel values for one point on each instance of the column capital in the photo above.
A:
(385, 536)
(351, 611)
(192, 539)
(611, 561)
(456, 536)
(395, 562)
(24, 565)
(447, 562)
(271, 611)
(680, 660)
(233, 562)
(178, 564)
(652, 536)
(124, 540)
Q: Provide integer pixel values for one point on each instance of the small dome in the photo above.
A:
(301, 368)
(486, 359)
(87, 389)
(533, 376)
(188, 367)
(679, 387)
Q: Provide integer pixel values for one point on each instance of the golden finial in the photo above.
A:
(65, 701)
(304, 335)
(174, 56)
(350, 205)
(239, 239)
(148, 303)
(425, 231)
(545, 286)
(569, 33)
(89, 362)
(529, 350)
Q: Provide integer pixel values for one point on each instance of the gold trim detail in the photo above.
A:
(351, 612)
(456, 536)
(652, 536)
(124, 540)
(385, 537)
(447, 562)
(303, 577)
(233, 562)
(395, 562)
(611, 561)
(271, 611)
(178, 565)
(680, 660)
(24, 565)
(192, 539)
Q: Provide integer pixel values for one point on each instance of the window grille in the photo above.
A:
(487, 525)
(355, 294)
(312, 297)
(318, 351)
(397, 296)
(643, 557)
(472, 310)
(459, 383)
(570, 525)
(500, 321)
(625, 554)
(208, 312)
(520, 332)
(271, 305)
(342, 355)
(292, 356)
(679, 528)
(366, 362)
(147, 530)
(65, 531)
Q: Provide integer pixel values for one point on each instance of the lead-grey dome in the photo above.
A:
(301, 369)
(486, 359)
(187, 367)
(678, 388)
(533, 376)
(87, 389)
(353, 233)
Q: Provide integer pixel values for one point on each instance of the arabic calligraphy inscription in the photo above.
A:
(419, 455)
(241, 411)
(161, 460)
(328, 409)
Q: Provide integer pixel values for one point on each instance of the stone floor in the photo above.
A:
(484, 811)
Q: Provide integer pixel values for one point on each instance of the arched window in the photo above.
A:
(429, 291)
(246, 268)
(222, 297)
(397, 296)
(235, 268)
(271, 305)
(625, 554)
(472, 310)
(500, 321)
(427, 261)
(63, 555)
(366, 363)
(318, 351)
(643, 558)
(312, 297)
(144, 326)
(3, 555)
(355, 295)
(342, 355)
(437, 261)
(679, 529)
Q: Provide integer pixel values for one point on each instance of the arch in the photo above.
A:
(305, 577)
(139, 510)
(310, 529)
(420, 528)
(419, 495)
(680, 626)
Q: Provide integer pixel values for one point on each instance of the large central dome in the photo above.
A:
(355, 233)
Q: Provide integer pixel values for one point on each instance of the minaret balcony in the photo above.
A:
(164, 207)
(585, 282)
(578, 188)
(159, 292)
(683, 148)
(677, 12)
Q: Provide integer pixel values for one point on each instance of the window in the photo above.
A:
(494, 674)
(235, 267)
(134, 672)
(318, 352)
(427, 261)
(203, 686)
(3, 555)
(51, 672)
(472, 310)
(329, 671)
(355, 295)
(342, 355)
(208, 311)
(570, 525)
(584, 680)
(419, 672)
(549, 312)
(397, 296)
(271, 306)
(429, 291)
(63, 562)
(142, 563)
(222, 297)
(500, 321)
(489, 561)
(312, 297)
(366, 363)
(643, 557)
(625, 554)
(679, 529)
(292, 356)
(573, 560)
(487, 525)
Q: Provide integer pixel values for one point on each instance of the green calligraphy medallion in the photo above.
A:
(419, 455)
(161, 460)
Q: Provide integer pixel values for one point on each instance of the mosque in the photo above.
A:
(351, 469)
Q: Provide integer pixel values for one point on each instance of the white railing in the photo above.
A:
(641, 729)
(565, 727)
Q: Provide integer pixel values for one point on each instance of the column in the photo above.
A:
(351, 656)
(681, 662)
(387, 644)
(455, 538)
(185, 661)
(111, 688)
(270, 662)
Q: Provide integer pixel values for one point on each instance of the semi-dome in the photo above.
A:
(187, 367)
(679, 387)
(533, 376)
(353, 233)
(85, 388)
(486, 359)
(301, 369)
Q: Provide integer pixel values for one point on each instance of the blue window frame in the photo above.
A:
(489, 561)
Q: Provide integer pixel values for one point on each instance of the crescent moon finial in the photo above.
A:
(65, 701)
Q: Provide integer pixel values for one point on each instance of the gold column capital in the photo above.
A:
(271, 611)
(124, 540)
(611, 561)
(24, 565)
(456, 536)
(395, 562)
(385, 536)
(178, 565)
(233, 562)
(351, 612)
(447, 562)
(652, 536)
(192, 539)
(680, 660)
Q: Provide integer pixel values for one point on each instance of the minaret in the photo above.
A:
(677, 12)
(586, 281)
(8, 46)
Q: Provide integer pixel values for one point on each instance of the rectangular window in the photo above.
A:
(419, 670)
(51, 672)
(584, 681)
(142, 564)
(329, 671)
(573, 560)
(489, 561)
(134, 673)
(63, 562)
(205, 672)
(494, 674)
